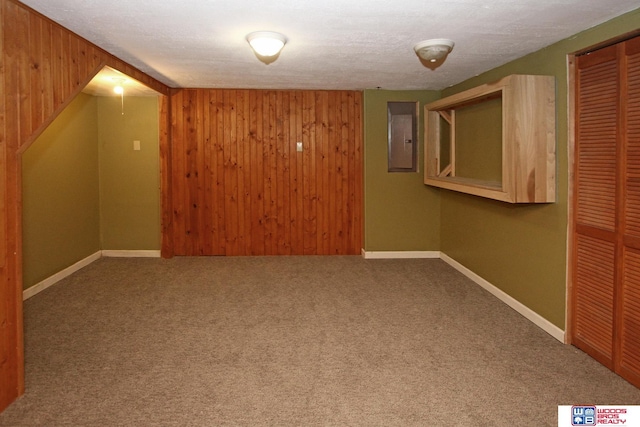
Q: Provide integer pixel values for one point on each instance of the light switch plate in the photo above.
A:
(298, 146)
(136, 145)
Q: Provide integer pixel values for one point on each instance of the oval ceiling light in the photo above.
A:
(119, 83)
(266, 43)
(434, 49)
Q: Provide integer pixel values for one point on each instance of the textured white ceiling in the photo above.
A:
(333, 44)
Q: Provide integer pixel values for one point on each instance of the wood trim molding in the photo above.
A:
(607, 43)
(166, 200)
(399, 254)
(571, 226)
(110, 253)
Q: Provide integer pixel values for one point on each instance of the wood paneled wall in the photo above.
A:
(42, 67)
(240, 187)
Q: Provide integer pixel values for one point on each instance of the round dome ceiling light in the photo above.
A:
(433, 50)
(266, 43)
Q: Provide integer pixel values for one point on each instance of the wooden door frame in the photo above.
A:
(571, 226)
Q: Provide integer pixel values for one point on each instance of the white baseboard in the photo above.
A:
(522, 309)
(399, 254)
(525, 311)
(52, 280)
(39, 287)
(131, 254)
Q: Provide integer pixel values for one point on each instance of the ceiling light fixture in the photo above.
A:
(119, 82)
(266, 43)
(433, 50)
(119, 90)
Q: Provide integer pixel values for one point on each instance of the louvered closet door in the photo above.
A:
(595, 214)
(627, 358)
(606, 262)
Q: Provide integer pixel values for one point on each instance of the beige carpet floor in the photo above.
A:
(292, 341)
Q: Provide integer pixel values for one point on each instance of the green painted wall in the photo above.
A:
(86, 189)
(522, 249)
(478, 142)
(61, 219)
(400, 212)
(129, 179)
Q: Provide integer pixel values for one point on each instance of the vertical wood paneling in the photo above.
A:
(166, 165)
(311, 239)
(217, 170)
(297, 204)
(24, 96)
(317, 162)
(83, 63)
(268, 198)
(4, 295)
(257, 175)
(241, 138)
(178, 219)
(230, 173)
(284, 179)
(35, 73)
(265, 165)
(277, 174)
(204, 220)
(248, 176)
(331, 148)
(191, 167)
(47, 68)
(358, 178)
(344, 171)
(352, 178)
(274, 185)
(11, 368)
(42, 67)
(326, 184)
